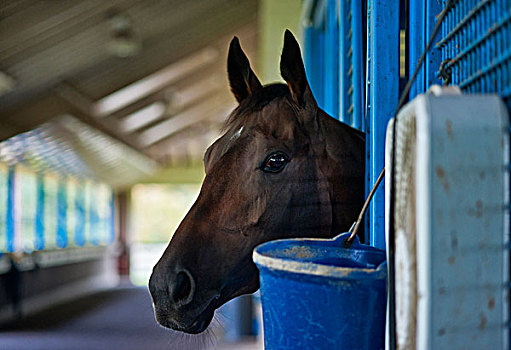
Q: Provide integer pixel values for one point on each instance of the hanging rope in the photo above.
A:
(364, 208)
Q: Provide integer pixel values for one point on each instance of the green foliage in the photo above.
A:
(157, 210)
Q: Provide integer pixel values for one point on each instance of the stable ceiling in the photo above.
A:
(149, 73)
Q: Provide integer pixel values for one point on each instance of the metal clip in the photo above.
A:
(445, 71)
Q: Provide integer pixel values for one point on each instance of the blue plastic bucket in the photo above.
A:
(321, 294)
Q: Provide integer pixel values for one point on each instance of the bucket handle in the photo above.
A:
(343, 238)
(347, 240)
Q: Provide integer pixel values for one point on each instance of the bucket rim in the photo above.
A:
(314, 268)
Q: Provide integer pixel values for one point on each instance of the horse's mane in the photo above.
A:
(255, 102)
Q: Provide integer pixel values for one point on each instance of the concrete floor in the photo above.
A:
(121, 318)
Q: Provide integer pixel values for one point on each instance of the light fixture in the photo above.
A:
(6, 83)
(123, 41)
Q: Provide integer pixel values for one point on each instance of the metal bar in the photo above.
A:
(316, 38)
(9, 222)
(314, 62)
(343, 63)
(111, 221)
(476, 43)
(434, 56)
(463, 22)
(417, 42)
(93, 218)
(368, 112)
(62, 239)
(357, 61)
(384, 95)
(308, 56)
(122, 214)
(39, 216)
(506, 92)
(320, 67)
(482, 72)
(331, 79)
(79, 234)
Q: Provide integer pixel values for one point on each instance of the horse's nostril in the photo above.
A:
(182, 292)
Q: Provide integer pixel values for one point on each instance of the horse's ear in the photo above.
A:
(293, 72)
(242, 79)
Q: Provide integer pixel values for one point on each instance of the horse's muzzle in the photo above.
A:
(173, 291)
(179, 321)
(173, 297)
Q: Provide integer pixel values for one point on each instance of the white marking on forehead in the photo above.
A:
(237, 134)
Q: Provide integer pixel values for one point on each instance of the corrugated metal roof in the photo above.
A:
(70, 147)
(58, 58)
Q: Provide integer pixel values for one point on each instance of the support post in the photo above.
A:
(383, 95)
(122, 212)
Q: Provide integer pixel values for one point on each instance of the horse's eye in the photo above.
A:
(275, 162)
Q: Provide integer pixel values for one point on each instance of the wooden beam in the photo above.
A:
(183, 98)
(176, 147)
(154, 82)
(22, 118)
(28, 116)
(209, 72)
(83, 107)
(143, 117)
(180, 101)
(199, 112)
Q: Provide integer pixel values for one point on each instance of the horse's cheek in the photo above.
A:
(256, 210)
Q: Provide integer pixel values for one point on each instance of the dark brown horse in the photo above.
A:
(283, 168)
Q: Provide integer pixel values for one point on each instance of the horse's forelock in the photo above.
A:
(254, 103)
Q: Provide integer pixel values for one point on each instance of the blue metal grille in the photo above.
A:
(350, 63)
(421, 22)
(334, 58)
(476, 46)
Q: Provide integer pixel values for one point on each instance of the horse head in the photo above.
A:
(283, 168)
